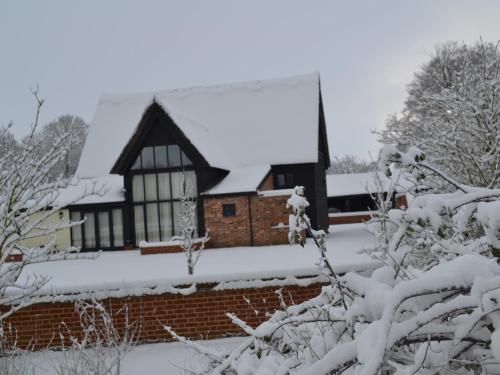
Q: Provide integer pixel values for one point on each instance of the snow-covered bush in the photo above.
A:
(431, 307)
(101, 347)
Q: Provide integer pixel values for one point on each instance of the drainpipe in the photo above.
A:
(250, 220)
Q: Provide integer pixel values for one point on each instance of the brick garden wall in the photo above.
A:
(198, 315)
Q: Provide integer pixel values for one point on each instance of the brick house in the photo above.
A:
(238, 147)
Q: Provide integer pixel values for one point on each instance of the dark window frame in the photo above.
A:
(288, 180)
(95, 211)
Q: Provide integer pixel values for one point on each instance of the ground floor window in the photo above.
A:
(102, 229)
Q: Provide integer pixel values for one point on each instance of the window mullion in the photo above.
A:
(111, 234)
(158, 207)
(171, 204)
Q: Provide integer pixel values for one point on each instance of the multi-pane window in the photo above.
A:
(284, 180)
(161, 176)
(102, 229)
(158, 157)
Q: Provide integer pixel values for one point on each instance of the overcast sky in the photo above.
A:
(366, 52)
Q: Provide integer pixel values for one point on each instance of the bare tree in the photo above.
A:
(350, 164)
(192, 247)
(100, 347)
(66, 125)
(28, 204)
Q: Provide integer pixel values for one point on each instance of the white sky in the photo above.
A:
(366, 52)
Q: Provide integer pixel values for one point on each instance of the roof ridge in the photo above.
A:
(200, 88)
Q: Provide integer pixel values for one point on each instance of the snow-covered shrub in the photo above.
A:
(431, 307)
(101, 347)
(187, 222)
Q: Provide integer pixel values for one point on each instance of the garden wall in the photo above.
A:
(201, 314)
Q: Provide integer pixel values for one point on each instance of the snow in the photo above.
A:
(123, 273)
(110, 188)
(339, 185)
(232, 126)
(276, 193)
(149, 359)
(352, 213)
(241, 180)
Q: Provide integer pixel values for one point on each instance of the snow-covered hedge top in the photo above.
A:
(231, 125)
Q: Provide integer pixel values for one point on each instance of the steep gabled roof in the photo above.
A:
(238, 125)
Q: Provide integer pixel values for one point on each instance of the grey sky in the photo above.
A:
(366, 52)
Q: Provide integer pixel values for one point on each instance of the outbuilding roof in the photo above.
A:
(339, 185)
(232, 126)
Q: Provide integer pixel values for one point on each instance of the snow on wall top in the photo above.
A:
(241, 180)
(232, 126)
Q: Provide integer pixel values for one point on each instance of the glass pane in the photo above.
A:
(185, 160)
(117, 227)
(152, 223)
(161, 156)
(137, 163)
(76, 231)
(104, 237)
(195, 234)
(177, 218)
(280, 180)
(151, 193)
(137, 188)
(166, 220)
(174, 156)
(190, 183)
(177, 185)
(139, 224)
(164, 186)
(89, 230)
(148, 160)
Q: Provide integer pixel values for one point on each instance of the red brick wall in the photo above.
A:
(199, 315)
(266, 213)
(351, 219)
(227, 231)
(401, 201)
(267, 184)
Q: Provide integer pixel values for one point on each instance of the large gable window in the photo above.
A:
(158, 157)
(161, 175)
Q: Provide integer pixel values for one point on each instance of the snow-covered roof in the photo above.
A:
(102, 189)
(241, 180)
(232, 126)
(354, 183)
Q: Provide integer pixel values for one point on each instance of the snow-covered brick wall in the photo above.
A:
(196, 315)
